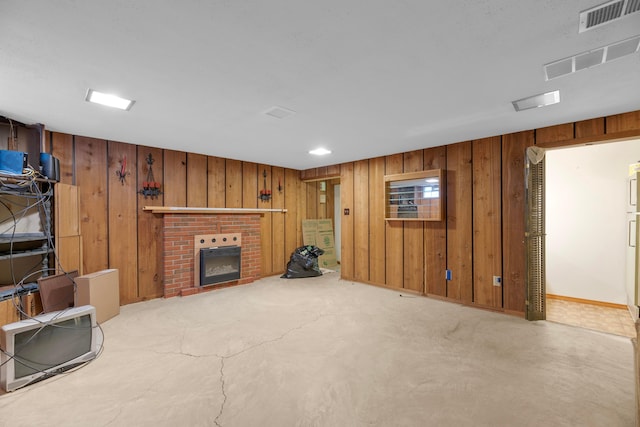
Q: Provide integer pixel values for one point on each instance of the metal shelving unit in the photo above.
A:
(25, 227)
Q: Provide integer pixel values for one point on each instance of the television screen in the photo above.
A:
(37, 348)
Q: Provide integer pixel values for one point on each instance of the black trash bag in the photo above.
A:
(303, 263)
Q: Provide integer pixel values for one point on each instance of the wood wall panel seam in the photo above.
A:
(150, 236)
(197, 180)
(394, 232)
(347, 202)
(361, 220)
(122, 219)
(414, 266)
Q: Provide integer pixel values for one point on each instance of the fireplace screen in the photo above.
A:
(218, 265)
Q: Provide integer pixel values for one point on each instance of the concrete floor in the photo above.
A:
(327, 352)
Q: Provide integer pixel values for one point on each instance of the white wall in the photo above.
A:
(586, 221)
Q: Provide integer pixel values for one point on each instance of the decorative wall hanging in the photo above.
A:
(122, 172)
(265, 195)
(150, 187)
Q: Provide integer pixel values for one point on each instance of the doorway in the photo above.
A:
(322, 202)
(585, 219)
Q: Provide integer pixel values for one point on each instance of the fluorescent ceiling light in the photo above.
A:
(536, 101)
(320, 152)
(279, 112)
(108, 100)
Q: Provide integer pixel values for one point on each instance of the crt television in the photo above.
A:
(40, 347)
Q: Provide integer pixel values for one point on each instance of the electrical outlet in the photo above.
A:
(497, 281)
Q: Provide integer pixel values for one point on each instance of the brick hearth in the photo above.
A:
(178, 254)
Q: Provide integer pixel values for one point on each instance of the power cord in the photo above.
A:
(26, 185)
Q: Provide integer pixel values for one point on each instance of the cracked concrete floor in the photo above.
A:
(327, 352)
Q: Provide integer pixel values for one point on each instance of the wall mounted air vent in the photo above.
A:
(606, 13)
(591, 58)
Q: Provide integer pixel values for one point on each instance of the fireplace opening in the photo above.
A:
(219, 265)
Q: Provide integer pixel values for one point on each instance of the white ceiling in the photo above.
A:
(365, 77)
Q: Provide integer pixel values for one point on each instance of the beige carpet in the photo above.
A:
(327, 352)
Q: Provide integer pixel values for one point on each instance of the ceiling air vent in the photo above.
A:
(592, 58)
(606, 13)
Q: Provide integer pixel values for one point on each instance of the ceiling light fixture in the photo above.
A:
(109, 100)
(320, 152)
(536, 101)
(279, 112)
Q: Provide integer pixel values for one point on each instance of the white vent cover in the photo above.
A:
(537, 101)
(279, 112)
(606, 13)
(591, 58)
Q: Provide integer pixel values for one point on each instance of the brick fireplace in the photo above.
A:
(178, 247)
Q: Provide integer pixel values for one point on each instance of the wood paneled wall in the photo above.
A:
(319, 198)
(487, 220)
(150, 246)
(117, 233)
(459, 220)
(483, 234)
(435, 233)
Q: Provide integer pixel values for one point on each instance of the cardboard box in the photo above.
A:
(325, 225)
(319, 232)
(32, 304)
(101, 290)
(328, 259)
(325, 240)
(309, 230)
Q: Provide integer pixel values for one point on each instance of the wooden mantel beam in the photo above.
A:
(192, 210)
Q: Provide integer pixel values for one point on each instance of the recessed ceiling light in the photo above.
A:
(536, 101)
(109, 100)
(320, 152)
